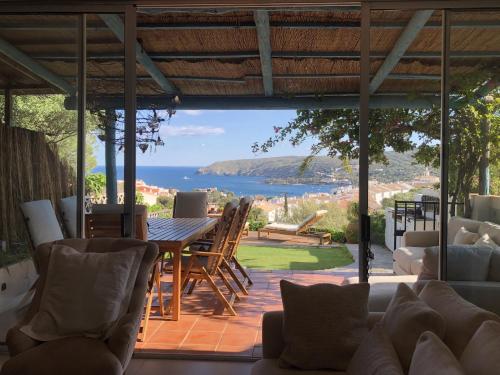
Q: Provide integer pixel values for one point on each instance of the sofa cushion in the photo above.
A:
(464, 262)
(72, 355)
(313, 315)
(433, 357)
(494, 272)
(457, 222)
(482, 354)
(271, 367)
(486, 240)
(465, 237)
(416, 266)
(93, 289)
(462, 317)
(403, 256)
(468, 263)
(493, 230)
(375, 355)
(406, 318)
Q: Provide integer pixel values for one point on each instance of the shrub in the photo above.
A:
(377, 227)
(165, 201)
(95, 183)
(257, 218)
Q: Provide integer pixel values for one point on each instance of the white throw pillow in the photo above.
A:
(42, 222)
(464, 237)
(485, 240)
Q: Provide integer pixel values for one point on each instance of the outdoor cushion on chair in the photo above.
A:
(41, 221)
(191, 204)
(68, 211)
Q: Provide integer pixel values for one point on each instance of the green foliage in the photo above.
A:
(139, 198)
(352, 227)
(336, 132)
(46, 114)
(299, 258)
(335, 219)
(165, 202)
(389, 202)
(95, 183)
(257, 218)
(220, 198)
(377, 227)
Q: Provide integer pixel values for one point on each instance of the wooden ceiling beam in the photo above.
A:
(408, 35)
(35, 67)
(115, 24)
(261, 18)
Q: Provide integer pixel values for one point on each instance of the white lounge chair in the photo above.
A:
(297, 229)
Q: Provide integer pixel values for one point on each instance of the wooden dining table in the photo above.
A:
(172, 236)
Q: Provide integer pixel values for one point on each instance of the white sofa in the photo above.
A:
(408, 258)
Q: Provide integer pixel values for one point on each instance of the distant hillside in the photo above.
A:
(401, 167)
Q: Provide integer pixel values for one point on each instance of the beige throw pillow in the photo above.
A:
(406, 318)
(464, 237)
(482, 354)
(323, 324)
(375, 355)
(462, 317)
(485, 240)
(85, 294)
(432, 357)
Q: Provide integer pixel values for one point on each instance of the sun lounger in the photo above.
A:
(295, 229)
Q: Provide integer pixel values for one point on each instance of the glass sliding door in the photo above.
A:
(473, 230)
(403, 136)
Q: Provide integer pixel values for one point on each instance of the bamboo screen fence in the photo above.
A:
(30, 169)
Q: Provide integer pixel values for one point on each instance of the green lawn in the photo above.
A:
(303, 258)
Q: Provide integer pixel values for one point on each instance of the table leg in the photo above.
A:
(176, 292)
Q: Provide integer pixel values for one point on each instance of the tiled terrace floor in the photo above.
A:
(202, 334)
(199, 332)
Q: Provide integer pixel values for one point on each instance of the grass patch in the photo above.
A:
(303, 258)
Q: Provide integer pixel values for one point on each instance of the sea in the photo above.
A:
(186, 179)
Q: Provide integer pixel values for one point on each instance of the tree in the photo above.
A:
(285, 205)
(337, 133)
(47, 114)
(95, 183)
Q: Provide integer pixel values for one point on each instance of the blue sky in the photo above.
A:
(198, 138)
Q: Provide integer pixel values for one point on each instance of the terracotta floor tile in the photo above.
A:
(238, 339)
(202, 338)
(185, 323)
(210, 324)
(165, 336)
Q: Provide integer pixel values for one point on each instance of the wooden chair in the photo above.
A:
(234, 242)
(106, 221)
(190, 204)
(205, 265)
(229, 260)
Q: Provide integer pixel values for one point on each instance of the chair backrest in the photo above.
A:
(68, 214)
(221, 241)
(106, 220)
(311, 220)
(41, 222)
(122, 341)
(190, 204)
(241, 218)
